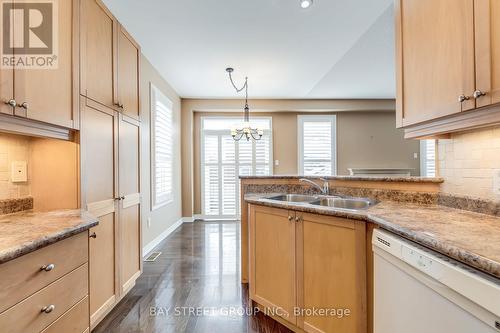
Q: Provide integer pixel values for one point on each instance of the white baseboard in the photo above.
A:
(151, 245)
(189, 219)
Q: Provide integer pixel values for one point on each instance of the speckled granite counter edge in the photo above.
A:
(355, 178)
(474, 260)
(88, 222)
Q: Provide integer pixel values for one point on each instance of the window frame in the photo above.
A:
(423, 158)
(202, 133)
(154, 91)
(300, 140)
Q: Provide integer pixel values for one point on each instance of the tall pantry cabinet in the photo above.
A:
(110, 141)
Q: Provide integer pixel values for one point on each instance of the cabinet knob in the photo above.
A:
(290, 218)
(120, 105)
(48, 268)
(297, 219)
(93, 235)
(463, 98)
(478, 93)
(25, 105)
(11, 102)
(48, 309)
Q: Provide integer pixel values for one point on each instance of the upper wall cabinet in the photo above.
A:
(42, 84)
(109, 60)
(447, 55)
(128, 74)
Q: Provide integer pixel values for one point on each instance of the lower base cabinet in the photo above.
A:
(47, 300)
(307, 270)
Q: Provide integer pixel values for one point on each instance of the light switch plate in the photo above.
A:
(276, 162)
(496, 181)
(19, 172)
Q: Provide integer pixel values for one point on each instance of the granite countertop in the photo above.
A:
(355, 178)
(28, 231)
(471, 238)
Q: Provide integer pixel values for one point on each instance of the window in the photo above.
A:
(317, 145)
(161, 148)
(223, 160)
(428, 158)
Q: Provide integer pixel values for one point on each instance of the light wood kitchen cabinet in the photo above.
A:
(331, 260)
(300, 262)
(111, 192)
(436, 58)
(487, 38)
(272, 266)
(129, 187)
(48, 94)
(98, 142)
(98, 51)
(447, 66)
(110, 60)
(6, 90)
(42, 289)
(128, 74)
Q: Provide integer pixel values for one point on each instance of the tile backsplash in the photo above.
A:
(468, 162)
(13, 148)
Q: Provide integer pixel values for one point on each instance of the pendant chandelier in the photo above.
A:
(245, 129)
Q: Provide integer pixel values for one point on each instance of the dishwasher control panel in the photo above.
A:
(421, 262)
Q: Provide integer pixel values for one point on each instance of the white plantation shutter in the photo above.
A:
(162, 148)
(317, 145)
(224, 160)
(428, 158)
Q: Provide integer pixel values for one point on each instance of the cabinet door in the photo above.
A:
(98, 130)
(97, 50)
(331, 274)
(47, 94)
(272, 260)
(128, 74)
(435, 58)
(487, 32)
(130, 226)
(6, 90)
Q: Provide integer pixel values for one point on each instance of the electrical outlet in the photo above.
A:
(415, 156)
(19, 172)
(496, 182)
(276, 162)
(149, 222)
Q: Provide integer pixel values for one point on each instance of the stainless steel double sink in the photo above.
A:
(327, 201)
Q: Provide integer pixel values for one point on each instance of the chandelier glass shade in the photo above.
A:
(245, 129)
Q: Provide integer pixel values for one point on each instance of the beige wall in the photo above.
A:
(364, 139)
(163, 217)
(468, 162)
(190, 106)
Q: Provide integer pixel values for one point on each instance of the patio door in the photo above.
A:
(223, 160)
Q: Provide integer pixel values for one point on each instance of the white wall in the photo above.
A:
(167, 216)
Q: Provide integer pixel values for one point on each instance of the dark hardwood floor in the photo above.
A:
(194, 286)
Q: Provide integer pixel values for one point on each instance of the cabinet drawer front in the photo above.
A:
(27, 316)
(76, 320)
(23, 276)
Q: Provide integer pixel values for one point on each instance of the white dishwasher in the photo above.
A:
(417, 290)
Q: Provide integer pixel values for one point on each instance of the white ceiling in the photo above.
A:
(334, 49)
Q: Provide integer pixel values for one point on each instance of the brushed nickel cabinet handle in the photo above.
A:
(11, 102)
(48, 268)
(25, 105)
(463, 98)
(93, 235)
(48, 309)
(478, 93)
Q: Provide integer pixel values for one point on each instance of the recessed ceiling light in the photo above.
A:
(306, 3)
